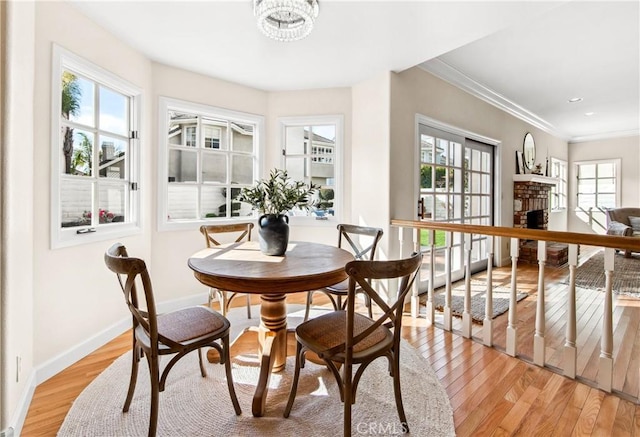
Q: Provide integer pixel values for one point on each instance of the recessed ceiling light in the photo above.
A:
(575, 100)
(589, 114)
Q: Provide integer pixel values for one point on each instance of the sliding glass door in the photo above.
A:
(456, 186)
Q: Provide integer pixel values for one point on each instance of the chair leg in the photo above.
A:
(398, 393)
(309, 303)
(155, 394)
(203, 371)
(227, 368)
(367, 302)
(348, 397)
(134, 376)
(294, 384)
(224, 303)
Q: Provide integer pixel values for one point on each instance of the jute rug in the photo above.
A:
(626, 274)
(196, 406)
(501, 296)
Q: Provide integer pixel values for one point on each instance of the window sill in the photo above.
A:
(69, 237)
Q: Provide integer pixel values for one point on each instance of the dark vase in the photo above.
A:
(273, 234)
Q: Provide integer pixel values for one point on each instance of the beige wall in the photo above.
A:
(370, 155)
(627, 149)
(415, 91)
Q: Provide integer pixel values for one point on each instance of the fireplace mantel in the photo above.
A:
(535, 178)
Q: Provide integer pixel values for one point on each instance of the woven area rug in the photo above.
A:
(501, 296)
(626, 274)
(196, 406)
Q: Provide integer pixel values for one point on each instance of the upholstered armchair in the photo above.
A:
(623, 222)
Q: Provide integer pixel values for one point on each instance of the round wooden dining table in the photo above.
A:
(241, 267)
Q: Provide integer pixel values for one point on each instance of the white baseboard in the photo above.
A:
(65, 359)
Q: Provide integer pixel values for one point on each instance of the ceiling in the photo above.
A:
(527, 57)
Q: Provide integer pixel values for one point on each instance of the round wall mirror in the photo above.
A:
(529, 151)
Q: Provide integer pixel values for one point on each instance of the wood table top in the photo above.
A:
(242, 267)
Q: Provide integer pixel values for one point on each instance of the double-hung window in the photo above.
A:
(312, 153)
(598, 184)
(559, 190)
(208, 155)
(95, 153)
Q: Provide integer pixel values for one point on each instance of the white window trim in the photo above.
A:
(338, 121)
(166, 103)
(565, 164)
(65, 237)
(618, 164)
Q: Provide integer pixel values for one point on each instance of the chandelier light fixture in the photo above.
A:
(286, 20)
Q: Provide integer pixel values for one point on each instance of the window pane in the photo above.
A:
(112, 203)
(586, 200)
(296, 168)
(486, 162)
(296, 138)
(325, 198)
(112, 158)
(242, 137)
(75, 202)
(242, 169)
(606, 170)
(214, 134)
(80, 155)
(455, 158)
(586, 185)
(78, 99)
(441, 179)
(426, 148)
(182, 166)
(476, 188)
(114, 112)
(182, 202)
(441, 207)
(245, 208)
(214, 202)
(606, 185)
(475, 162)
(442, 149)
(426, 176)
(607, 200)
(178, 121)
(214, 167)
(587, 171)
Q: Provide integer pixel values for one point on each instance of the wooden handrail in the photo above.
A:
(613, 241)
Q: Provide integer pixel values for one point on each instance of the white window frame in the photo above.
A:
(617, 162)
(164, 105)
(560, 189)
(62, 60)
(338, 157)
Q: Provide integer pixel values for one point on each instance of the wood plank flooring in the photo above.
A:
(491, 393)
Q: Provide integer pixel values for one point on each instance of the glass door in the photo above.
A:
(456, 186)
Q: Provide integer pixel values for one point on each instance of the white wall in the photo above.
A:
(415, 91)
(627, 149)
(17, 213)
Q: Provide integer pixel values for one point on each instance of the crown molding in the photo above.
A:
(446, 72)
(605, 136)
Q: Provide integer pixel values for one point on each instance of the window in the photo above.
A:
(311, 149)
(559, 191)
(95, 151)
(209, 155)
(598, 183)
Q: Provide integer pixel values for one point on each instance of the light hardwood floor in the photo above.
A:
(490, 392)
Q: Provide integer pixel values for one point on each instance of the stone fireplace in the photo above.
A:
(531, 210)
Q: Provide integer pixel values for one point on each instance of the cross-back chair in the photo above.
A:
(175, 333)
(210, 232)
(347, 338)
(362, 241)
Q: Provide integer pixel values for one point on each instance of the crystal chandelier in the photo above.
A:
(286, 20)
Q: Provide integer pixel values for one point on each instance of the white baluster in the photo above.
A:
(605, 373)
(538, 337)
(431, 314)
(513, 316)
(487, 324)
(415, 297)
(448, 316)
(466, 313)
(570, 351)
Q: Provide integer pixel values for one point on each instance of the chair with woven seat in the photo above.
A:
(175, 333)
(345, 338)
(363, 242)
(243, 231)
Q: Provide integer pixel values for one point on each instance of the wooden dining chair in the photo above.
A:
(175, 333)
(345, 338)
(362, 241)
(243, 233)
